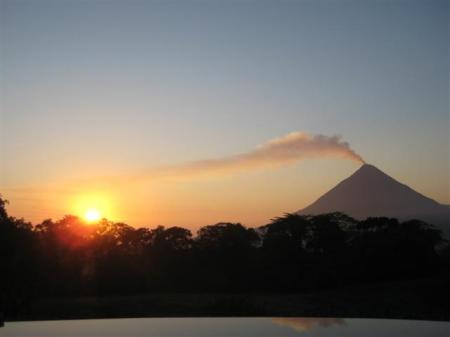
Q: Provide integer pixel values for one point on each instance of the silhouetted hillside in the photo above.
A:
(369, 192)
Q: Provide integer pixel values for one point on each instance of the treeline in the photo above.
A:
(292, 253)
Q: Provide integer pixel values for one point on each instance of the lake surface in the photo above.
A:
(209, 327)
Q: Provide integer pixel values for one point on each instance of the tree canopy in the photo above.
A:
(293, 252)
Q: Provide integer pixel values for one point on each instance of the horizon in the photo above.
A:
(193, 113)
(94, 217)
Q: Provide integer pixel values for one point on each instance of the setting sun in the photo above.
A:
(92, 215)
(93, 206)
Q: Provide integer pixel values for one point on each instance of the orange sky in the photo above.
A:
(194, 112)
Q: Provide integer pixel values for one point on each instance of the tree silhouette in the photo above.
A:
(292, 253)
(224, 251)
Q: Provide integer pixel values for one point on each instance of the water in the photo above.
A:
(248, 327)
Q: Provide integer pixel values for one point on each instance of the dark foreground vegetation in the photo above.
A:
(326, 265)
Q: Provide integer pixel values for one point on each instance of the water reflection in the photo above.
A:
(248, 327)
(302, 324)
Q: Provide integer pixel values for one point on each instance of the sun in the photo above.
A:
(92, 215)
(92, 207)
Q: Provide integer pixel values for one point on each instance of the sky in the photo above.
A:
(186, 112)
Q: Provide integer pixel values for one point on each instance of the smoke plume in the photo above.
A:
(277, 152)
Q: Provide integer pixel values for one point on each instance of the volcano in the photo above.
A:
(369, 192)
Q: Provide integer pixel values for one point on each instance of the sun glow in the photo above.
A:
(92, 215)
(93, 207)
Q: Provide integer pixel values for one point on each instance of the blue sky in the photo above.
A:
(89, 87)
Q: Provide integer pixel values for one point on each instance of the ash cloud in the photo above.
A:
(285, 150)
(278, 152)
